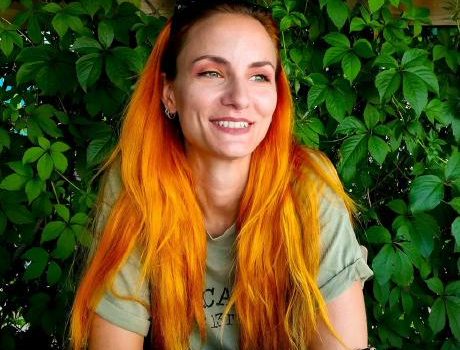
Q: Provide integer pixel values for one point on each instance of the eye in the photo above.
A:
(260, 77)
(210, 74)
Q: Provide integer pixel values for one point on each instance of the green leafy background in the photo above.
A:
(379, 93)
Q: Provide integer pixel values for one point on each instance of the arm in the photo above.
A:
(347, 314)
(106, 336)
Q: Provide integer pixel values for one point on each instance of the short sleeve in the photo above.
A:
(343, 260)
(111, 188)
(127, 314)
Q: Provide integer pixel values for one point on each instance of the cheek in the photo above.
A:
(267, 103)
(193, 98)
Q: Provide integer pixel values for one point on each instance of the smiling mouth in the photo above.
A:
(231, 124)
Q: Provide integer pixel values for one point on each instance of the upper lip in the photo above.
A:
(231, 119)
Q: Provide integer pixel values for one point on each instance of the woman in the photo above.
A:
(223, 232)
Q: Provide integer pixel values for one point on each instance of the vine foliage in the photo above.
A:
(376, 88)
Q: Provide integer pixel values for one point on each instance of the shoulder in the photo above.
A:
(111, 182)
(315, 176)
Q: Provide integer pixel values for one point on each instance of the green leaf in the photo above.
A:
(105, 33)
(383, 264)
(65, 245)
(436, 111)
(79, 219)
(455, 203)
(424, 229)
(435, 284)
(415, 92)
(38, 258)
(4, 4)
(354, 149)
(45, 167)
(375, 5)
(387, 83)
(439, 51)
(33, 189)
(403, 273)
(19, 215)
(357, 24)
(52, 7)
(398, 206)
(87, 45)
(5, 139)
(378, 235)
(437, 318)
(52, 230)
(426, 193)
(453, 314)
(62, 211)
(335, 103)
(453, 288)
(413, 58)
(91, 6)
(89, 68)
(378, 148)
(59, 147)
(32, 154)
(98, 149)
(337, 11)
(371, 116)
(386, 61)
(60, 23)
(44, 143)
(54, 273)
(333, 55)
(363, 48)
(452, 171)
(13, 182)
(129, 57)
(407, 302)
(6, 43)
(427, 75)
(338, 40)
(60, 161)
(286, 22)
(456, 230)
(350, 125)
(316, 96)
(351, 65)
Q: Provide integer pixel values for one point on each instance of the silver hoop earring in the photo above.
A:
(169, 114)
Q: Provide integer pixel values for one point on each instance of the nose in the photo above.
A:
(236, 94)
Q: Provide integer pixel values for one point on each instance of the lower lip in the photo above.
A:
(232, 131)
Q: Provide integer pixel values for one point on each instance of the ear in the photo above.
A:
(168, 97)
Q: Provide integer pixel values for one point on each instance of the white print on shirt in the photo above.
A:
(212, 297)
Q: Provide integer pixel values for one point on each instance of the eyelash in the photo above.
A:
(214, 74)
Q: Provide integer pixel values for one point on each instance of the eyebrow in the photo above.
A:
(223, 61)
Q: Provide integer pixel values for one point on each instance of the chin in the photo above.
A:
(235, 154)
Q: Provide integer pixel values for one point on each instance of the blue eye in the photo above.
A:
(210, 74)
(260, 77)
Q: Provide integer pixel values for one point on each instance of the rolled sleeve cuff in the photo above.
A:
(124, 319)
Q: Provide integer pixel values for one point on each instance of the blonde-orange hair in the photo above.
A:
(275, 293)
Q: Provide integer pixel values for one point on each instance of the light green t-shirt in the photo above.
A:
(343, 261)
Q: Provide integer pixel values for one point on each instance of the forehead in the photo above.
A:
(233, 36)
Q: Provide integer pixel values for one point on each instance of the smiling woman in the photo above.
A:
(216, 229)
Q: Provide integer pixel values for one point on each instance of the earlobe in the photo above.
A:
(168, 97)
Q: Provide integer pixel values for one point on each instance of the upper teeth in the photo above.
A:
(235, 125)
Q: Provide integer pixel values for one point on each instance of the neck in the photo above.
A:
(220, 186)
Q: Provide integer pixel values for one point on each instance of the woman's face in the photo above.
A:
(225, 88)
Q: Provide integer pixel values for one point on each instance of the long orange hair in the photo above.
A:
(275, 292)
